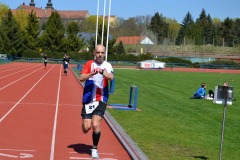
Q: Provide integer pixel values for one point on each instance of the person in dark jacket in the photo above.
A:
(66, 60)
(45, 60)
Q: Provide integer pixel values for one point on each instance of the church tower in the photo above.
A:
(32, 3)
(49, 5)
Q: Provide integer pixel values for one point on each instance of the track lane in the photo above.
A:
(10, 97)
(32, 120)
(28, 129)
(13, 69)
(71, 143)
(10, 79)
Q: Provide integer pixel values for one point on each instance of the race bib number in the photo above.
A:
(66, 62)
(45, 60)
(90, 107)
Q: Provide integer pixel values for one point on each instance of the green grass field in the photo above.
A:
(171, 126)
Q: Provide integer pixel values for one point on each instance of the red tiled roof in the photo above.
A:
(45, 13)
(73, 14)
(130, 39)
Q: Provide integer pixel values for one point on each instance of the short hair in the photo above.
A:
(203, 84)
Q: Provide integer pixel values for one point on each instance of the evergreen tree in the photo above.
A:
(237, 31)
(11, 37)
(32, 32)
(53, 38)
(205, 27)
(120, 48)
(227, 29)
(159, 27)
(180, 36)
(209, 31)
(187, 30)
(189, 26)
(73, 41)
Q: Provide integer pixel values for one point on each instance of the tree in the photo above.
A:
(159, 27)
(3, 11)
(173, 29)
(227, 29)
(205, 27)
(120, 48)
(187, 30)
(89, 24)
(53, 38)
(32, 32)
(217, 36)
(21, 17)
(129, 27)
(237, 31)
(11, 36)
(142, 24)
(73, 41)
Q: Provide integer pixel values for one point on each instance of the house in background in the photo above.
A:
(134, 40)
(43, 14)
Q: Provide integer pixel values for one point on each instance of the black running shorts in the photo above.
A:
(100, 110)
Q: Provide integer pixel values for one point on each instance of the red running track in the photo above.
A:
(40, 116)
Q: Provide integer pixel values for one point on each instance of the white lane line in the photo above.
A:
(18, 72)
(109, 154)
(19, 79)
(8, 155)
(55, 118)
(21, 150)
(81, 158)
(24, 96)
(45, 104)
(6, 69)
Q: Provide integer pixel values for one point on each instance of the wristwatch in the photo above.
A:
(101, 72)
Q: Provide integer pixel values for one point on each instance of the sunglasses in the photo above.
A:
(100, 52)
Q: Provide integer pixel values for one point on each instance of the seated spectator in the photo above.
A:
(200, 93)
(225, 83)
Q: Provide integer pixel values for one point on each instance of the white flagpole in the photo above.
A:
(109, 10)
(97, 25)
(103, 21)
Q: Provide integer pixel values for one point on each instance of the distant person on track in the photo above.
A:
(201, 92)
(96, 74)
(45, 60)
(66, 60)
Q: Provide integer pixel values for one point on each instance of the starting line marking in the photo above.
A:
(77, 158)
(17, 155)
(21, 155)
(84, 158)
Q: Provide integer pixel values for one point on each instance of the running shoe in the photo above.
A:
(95, 153)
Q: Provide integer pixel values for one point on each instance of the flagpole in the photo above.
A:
(109, 11)
(97, 25)
(103, 21)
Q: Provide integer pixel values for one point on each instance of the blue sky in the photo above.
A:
(175, 9)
